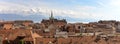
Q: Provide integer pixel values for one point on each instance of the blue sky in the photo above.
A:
(71, 10)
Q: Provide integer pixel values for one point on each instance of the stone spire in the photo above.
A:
(51, 16)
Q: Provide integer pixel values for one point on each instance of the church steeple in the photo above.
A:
(51, 15)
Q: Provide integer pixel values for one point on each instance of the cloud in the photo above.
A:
(106, 9)
(13, 8)
(115, 3)
(7, 7)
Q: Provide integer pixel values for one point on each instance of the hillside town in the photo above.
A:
(55, 31)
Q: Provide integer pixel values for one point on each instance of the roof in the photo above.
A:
(14, 33)
(61, 33)
(7, 22)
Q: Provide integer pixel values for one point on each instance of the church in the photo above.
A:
(53, 21)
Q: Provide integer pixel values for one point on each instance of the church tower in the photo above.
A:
(51, 16)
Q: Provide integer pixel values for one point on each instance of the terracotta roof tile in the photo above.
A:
(13, 34)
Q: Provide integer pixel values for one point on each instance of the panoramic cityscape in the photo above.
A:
(59, 22)
(55, 31)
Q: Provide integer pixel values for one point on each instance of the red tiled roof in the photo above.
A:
(13, 34)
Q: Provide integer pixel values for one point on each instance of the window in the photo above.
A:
(79, 27)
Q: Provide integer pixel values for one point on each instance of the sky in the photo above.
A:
(71, 10)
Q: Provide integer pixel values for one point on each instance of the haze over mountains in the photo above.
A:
(38, 18)
(72, 10)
